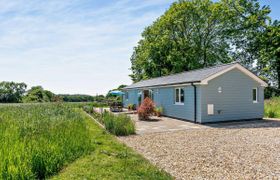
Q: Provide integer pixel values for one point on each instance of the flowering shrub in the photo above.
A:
(146, 109)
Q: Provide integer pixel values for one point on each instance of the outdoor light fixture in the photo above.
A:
(220, 89)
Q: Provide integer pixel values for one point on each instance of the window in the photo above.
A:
(151, 94)
(126, 95)
(255, 95)
(210, 109)
(179, 96)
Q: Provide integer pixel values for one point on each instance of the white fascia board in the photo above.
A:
(239, 67)
(156, 87)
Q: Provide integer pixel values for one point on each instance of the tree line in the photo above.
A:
(12, 92)
(194, 34)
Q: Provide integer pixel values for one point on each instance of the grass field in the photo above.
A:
(272, 107)
(38, 141)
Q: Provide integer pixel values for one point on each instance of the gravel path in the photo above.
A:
(213, 153)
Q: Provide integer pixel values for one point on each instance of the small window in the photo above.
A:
(182, 98)
(255, 95)
(126, 95)
(210, 109)
(179, 96)
(151, 94)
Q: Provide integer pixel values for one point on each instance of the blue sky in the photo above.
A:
(75, 46)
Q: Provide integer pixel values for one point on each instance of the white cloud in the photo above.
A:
(72, 46)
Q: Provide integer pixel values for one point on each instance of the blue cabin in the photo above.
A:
(221, 93)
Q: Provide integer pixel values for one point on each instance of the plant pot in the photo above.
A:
(158, 114)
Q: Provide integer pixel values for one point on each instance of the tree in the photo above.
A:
(38, 94)
(193, 34)
(11, 92)
(76, 98)
(270, 53)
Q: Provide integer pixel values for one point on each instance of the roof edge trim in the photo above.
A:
(239, 67)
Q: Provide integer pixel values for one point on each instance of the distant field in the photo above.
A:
(272, 107)
(39, 140)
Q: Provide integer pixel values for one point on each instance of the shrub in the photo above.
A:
(271, 113)
(158, 111)
(120, 125)
(146, 109)
(130, 106)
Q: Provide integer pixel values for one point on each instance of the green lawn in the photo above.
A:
(110, 160)
(272, 107)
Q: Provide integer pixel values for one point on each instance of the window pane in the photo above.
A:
(151, 94)
(182, 96)
(177, 95)
(254, 94)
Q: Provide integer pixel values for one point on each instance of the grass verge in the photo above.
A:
(110, 160)
(119, 125)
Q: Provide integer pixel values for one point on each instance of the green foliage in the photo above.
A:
(131, 106)
(193, 34)
(159, 109)
(111, 159)
(38, 94)
(270, 92)
(272, 107)
(76, 98)
(269, 43)
(120, 125)
(11, 92)
(38, 140)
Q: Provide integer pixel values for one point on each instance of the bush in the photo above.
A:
(146, 109)
(271, 113)
(271, 92)
(120, 125)
(158, 111)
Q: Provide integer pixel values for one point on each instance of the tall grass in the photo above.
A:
(120, 125)
(272, 107)
(38, 140)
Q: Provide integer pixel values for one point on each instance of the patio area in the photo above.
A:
(157, 124)
(163, 124)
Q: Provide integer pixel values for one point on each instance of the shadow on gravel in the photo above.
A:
(261, 123)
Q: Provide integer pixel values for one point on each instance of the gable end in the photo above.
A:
(239, 67)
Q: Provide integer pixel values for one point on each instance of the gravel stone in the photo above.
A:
(233, 152)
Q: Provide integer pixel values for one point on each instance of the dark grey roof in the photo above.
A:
(184, 77)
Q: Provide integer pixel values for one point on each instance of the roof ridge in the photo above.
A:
(219, 65)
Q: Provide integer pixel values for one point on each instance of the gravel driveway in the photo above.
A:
(247, 151)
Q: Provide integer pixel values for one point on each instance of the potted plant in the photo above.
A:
(158, 111)
(129, 107)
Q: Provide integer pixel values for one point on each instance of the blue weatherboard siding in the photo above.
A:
(236, 99)
(164, 97)
(132, 97)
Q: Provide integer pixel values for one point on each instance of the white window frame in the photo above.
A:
(210, 109)
(255, 101)
(179, 103)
